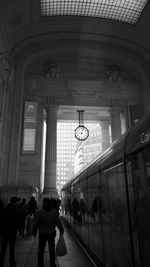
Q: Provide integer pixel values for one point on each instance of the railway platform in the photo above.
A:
(26, 253)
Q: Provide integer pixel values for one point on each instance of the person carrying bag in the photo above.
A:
(61, 249)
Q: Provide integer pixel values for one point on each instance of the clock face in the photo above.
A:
(81, 133)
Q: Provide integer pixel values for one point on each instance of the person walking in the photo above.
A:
(9, 227)
(23, 211)
(32, 206)
(46, 221)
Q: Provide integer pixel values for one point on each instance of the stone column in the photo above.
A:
(105, 134)
(115, 124)
(15, 119)
(50, 157)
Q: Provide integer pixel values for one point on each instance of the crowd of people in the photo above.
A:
(21, 219)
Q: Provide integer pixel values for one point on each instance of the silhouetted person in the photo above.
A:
(96, 207)
(58, 205)
(69, 205)
(46, 221)
(23, 211)
(10, 220)
(32, 206)
(75, 209)
(82, 209)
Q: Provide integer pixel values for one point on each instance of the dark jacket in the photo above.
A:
(46, 222)
(10, 219)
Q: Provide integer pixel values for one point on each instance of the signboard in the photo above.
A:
(30, 120)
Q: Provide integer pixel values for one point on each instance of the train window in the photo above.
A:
(141, 172)
(115, 219)
(147, 164)
(141, 214)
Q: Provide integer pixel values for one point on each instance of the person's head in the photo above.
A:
(23, 201)
(1, 204)
(14, 200)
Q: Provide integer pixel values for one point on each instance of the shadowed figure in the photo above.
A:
(9, 227)
(46, 221)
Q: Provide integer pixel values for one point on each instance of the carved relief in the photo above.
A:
(105, 84)
(53, 72)
(114, 74)
(16, 20)
(31, 85)
(50, 84)
(4, 67)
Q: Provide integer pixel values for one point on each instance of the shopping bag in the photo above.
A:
(61, 249)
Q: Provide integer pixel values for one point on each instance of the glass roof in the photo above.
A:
(127, 11)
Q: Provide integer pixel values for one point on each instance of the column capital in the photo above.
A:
(49, 106)
(51, 101)
(105, 123)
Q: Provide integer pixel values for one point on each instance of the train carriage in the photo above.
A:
(107, 205)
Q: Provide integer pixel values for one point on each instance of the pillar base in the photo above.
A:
(50, 193)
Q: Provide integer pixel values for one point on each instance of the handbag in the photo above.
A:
(61, 249)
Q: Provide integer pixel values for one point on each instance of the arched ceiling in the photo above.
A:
(85, 49)
(22, 27)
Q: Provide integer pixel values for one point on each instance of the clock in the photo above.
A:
(81, 133)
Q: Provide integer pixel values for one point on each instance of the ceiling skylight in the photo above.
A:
(127, 11)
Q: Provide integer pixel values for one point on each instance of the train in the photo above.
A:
(107, 204)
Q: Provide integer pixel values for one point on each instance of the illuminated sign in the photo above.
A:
(145, 137)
